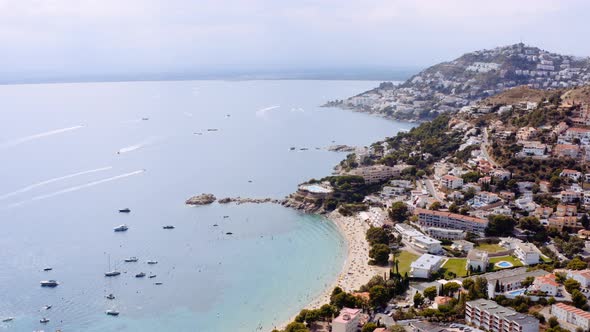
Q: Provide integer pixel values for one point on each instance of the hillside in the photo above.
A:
(448, 86)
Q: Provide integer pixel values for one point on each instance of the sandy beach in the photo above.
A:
(356, 271)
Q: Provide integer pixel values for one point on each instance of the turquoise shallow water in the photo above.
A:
(62, 182)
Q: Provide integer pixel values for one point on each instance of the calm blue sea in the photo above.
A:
(71, 155)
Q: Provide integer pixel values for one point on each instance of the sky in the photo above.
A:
(79, 37)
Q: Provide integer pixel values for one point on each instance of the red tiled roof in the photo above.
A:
(573, 310)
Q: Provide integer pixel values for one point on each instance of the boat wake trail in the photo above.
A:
(76, 188)
(46, 182)
(263, 111)
(37, 136)
(138, 145)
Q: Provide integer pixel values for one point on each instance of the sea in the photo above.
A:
(72, 155)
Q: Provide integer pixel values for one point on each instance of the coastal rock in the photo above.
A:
(240, 200)
(341, 148)
(203, 199)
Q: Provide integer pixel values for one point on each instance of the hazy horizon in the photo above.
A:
(86, 40)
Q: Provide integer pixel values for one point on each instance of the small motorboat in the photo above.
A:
(145, 119)
(212, 129)
(47, 269)
(168, 227)
(112, 312)
(228, 233)
(152, 276)
(292, 148)
(7, 319)
(121, 228)
(44, 320)
(125, 210)
(157, 283)
(152, 262)
(49, 283)
(140, 275)
(110, 297)
(112, 273)
(131, 260)
(215, 225)
(47, 307)
(225, 217)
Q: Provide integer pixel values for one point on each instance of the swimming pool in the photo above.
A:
(504, 264)
(314, 188)
(517, 292)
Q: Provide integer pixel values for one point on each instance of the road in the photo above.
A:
(432, 190)
(484, 148)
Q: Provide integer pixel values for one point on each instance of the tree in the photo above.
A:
(553, 321)
(379, 296)
(430, 292)
(377, 235)
(450, 288)
(500, 225)
(570, 285)
(397, 328)
(369, 327)
(418, 300)
(398, 211)
(296, 327)
(527, 281)
(379, 254)
(579, 299)
(453, 208)
(435, 206)
(577, 264)
(327, 311)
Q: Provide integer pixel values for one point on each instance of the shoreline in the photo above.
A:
(355, 271)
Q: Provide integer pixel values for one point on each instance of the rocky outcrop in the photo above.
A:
(241, 200)
(341, 148)
(203, 199)
(300, 201)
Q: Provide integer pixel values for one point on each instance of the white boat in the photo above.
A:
(168, 227)
(44, 320)
(140, 275)
(110, 297)
(111, 273)
(112, 312)
(49, 283)
(131, 259)
(121, 228)
(152, 262)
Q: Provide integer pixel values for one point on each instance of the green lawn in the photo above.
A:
(457, 266)
(546, 259)
(510, 259)
(490, 247)
(405, 259)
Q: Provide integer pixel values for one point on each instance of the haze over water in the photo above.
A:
(62, 182)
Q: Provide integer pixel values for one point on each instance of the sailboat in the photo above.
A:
(111, 273)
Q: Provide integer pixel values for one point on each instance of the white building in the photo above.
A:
(477, 261)
(375, 173)
(347, 321)
(571, 174)
(527, 253)
(462, 245)
(429, 218)
(485, 197)
(425, 265)
(445, 233)
(572, 315)
(451, 182)
(490, 316)
(583, 277)
(534, 149)
(546, 284)
(418, 240)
